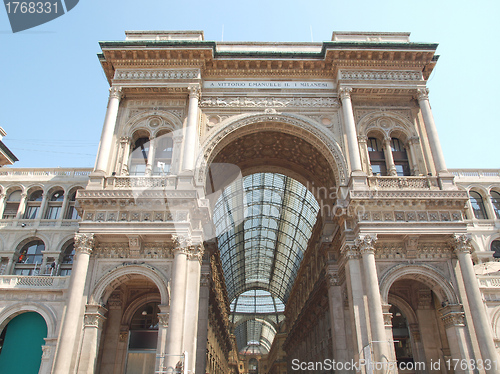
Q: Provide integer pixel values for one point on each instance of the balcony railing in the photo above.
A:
(42, 172)
(476, 173)
(397, 182)
(33, 282)
(160, 181)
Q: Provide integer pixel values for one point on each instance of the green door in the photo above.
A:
(21, 351)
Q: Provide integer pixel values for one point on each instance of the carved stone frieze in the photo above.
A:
(156, 74)
(269, 102)
(381, 75)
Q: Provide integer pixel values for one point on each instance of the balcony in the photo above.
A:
(28, 282)
(477, 175)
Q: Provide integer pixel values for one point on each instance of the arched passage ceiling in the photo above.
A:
(271, 150)
(263, 223)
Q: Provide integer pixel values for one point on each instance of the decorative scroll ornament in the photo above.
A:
(423, 93)
(366, 243)
(345, 93)
(182, 241)
(84, 242)
(462, 243)
(115, 93)
(205, 280)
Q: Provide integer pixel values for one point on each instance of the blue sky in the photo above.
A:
(53, 92)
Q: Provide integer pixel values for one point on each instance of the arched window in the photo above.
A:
(377, 158)
(476, 201)
(400, 157)
(495, 246)
(30, 258)
(163, 155)
(139, 156)
(33, 205)
(55, 205)
(12, 205)
(143, 340)
(71, 212)
(495, 200)
(66, 263)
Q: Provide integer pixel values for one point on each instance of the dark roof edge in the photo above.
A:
(7, 151)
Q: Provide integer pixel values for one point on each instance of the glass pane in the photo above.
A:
(53, 212)
(31, 212)
(143, 339)
(140, 363)
(476, 201)
(495, 200)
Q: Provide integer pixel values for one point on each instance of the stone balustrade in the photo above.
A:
(33, 282)
(398, 182)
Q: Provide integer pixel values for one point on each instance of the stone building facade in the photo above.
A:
(255, 207)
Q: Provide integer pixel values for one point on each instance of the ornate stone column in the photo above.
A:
(191, 134)
(195, 258)
(125, 144)
(2, 203)
(115, 95)
(22, 205)
(379, 341)
(350, 128)
(365, 156)
(84, 243)
(48, 351)
(151, 156)
(430, 127)
(175, 334)
(201, 349)
(412, 144)
(355, 292)
(93, 324)
(453, 320)
(389, 159)
(337, 322)
(482, 325)
(163, 317)
(43, 205)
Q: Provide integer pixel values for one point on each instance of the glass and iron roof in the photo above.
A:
(263, 223)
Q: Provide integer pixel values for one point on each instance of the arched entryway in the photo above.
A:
(21, 342)
(133, 302)
(265, 221)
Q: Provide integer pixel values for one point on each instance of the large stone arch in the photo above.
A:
(115, 277)
(292, 124)
(422, 273)
(22, 307)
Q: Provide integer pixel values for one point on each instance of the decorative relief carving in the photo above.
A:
(269, 102)
(403, 182)
(123, 336)
(205, 280)
(399, 75)
(349, 251)
(163, 319)
(194, 91)
(157, 74)
(84, 243)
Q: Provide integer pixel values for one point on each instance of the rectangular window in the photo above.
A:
(53, 212)
(31, 212)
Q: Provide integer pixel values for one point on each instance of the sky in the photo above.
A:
(54, 93)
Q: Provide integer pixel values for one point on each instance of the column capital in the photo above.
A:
(205, 279)
(163, 318)
(84, 242)
(125, 139)
(94, 315)
(462, 243)
(349, 251)
(345, 92)
(413, 140)
(194, 91)
(452, 315)
(115, 92)
(366, 243)
(422, 93)
(362, 138)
